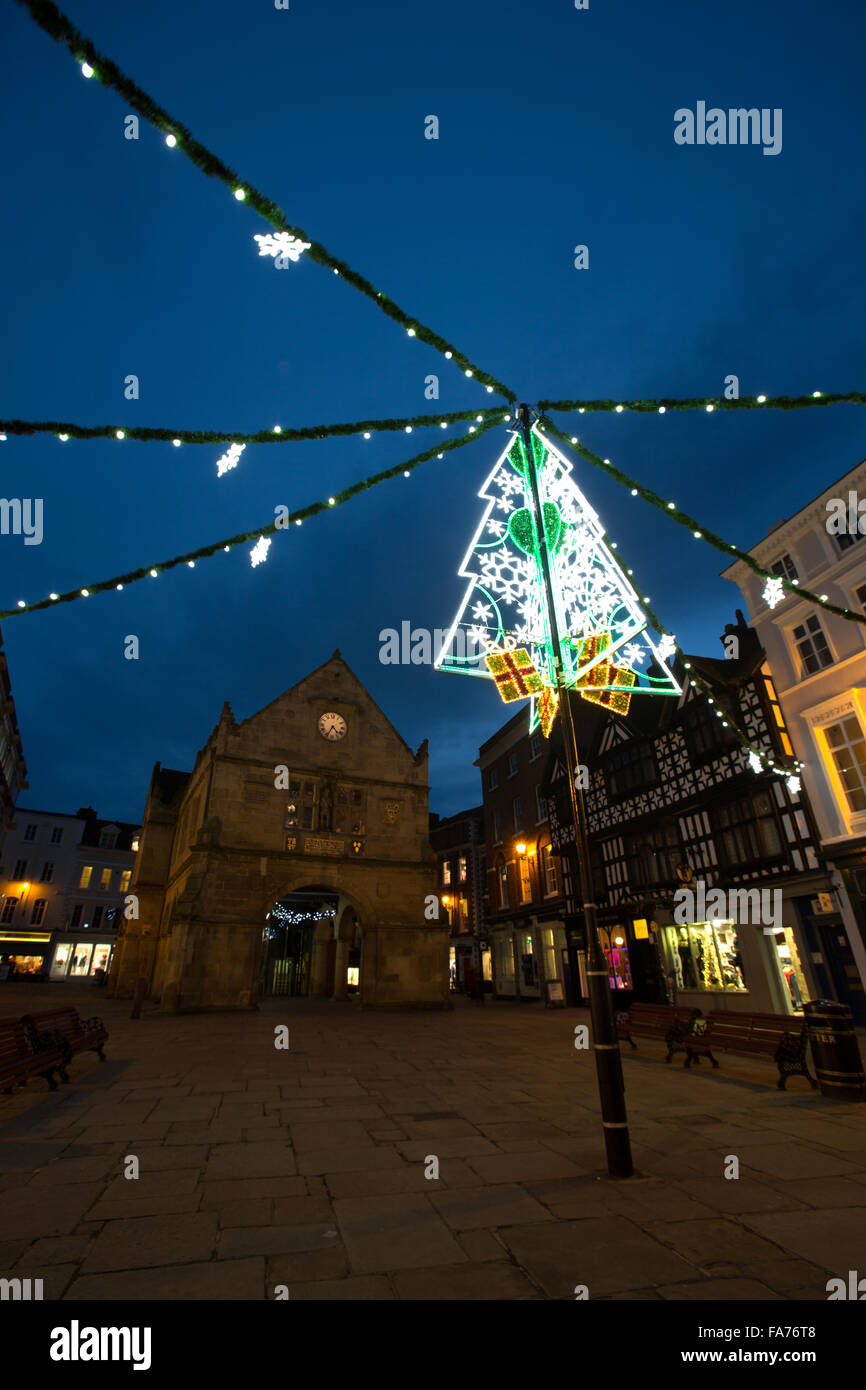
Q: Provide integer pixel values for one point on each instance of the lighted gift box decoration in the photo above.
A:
(595, 685)
(515, 674)
(548, 704)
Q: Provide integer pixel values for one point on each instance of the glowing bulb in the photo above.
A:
(153, 574)
(634, 492)
(120, 434)
(468, 372)
(298, 521)
(53, 597)
(490, 390)
(711, 406)
(443, 424)
(176, 443)
(408, 429)
(118, 587)
(440, 456)
(406, 473)
(662, 409)
(278, 429)
(171, 141)
(191, 564)
(411, 332)
(366, 434)
(672, 506)
(226, 548)
(449, 353)
(85, 593)
(331, 501)
(63, 437)
(479, 418)
(240, 194)
(574, 439)
(697, 535)
(761, 400)
(619, 410)
(607, 461)
(580, 410)
(471, 429)
(21, 603)
(87, 69)
(816, 394)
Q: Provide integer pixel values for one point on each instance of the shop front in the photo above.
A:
(23, 955)
(723, 965)
(80, 960)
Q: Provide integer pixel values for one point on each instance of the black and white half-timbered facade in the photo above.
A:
(706, 873)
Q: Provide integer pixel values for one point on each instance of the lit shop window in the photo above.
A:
(706, 956)
(81, 960)
(549, 953)
(101, 955)
(790, 967)
(62, 958)
(616, 954)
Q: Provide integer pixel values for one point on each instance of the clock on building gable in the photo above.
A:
(332, 726)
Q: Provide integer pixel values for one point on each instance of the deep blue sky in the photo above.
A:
(556, 129)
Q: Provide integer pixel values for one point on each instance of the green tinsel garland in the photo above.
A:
(144, 434)
(717, 402)
(302, 514)
(684, 519)
(61, 28)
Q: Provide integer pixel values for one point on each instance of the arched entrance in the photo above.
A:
(312, 945)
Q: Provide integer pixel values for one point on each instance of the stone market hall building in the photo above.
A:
(293, 859)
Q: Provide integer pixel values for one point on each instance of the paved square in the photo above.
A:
(414, 1156)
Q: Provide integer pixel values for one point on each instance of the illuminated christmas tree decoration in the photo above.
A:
(259, 551)
(505, 604)
(229, 459)
(773, 592)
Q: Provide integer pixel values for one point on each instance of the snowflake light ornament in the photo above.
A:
(229, 459)
(793, 784)
(773, 592)
(667, 645)
(756, 763)
(282, 246)
(259, 551)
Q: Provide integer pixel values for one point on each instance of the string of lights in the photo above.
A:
(277, 434)
(775, 584)
(177, 137)
(707, 403)
(260, 534)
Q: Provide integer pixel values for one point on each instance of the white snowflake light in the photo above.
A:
(634, 654)
(755, 763)
(282, 245)
(793, 784)
(259, 551)
(667, 645)
(773, 592)
(229, 459)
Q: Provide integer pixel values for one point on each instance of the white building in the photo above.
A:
(818, 661)
(63, 882)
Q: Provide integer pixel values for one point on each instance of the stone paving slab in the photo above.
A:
(308, 1169)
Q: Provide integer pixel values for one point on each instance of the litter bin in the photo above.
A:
(838, 1065)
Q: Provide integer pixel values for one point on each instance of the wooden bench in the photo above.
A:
(23, 1055)
(777, 1037)
(668, 1023)
(70, 1033)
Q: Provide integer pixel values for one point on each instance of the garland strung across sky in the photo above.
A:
(95, 64)
(277, 434)
(120, 581)
(698, 531)
(709, 403)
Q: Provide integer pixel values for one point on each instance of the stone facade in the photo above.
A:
(283, 802)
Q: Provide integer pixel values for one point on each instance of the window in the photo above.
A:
(525, 882)
(861, 596)
(706, 956)
(57, 835)
(349, 811)
(846, 539)
(124, 880)
(540, 806)
(534, 747)
(97, 916)
(76, 916)
(105, 880)
(135, 845)
(703, 731)
(493, 779)
(30, 832)
(518, 813)
(461, 868)
(38, 911)
(749, 830)
(108, 839)
(548, 868)
(86, 876)
(785, 568)
(446, 871)
(302, 803)
(512, 764)
(812, 646)
(20, 870)
(497, 827)
(47, 873)
(653, 856)
(8, 910)
(848, 751)
(631, 768)
(776, 711)
(502, 874)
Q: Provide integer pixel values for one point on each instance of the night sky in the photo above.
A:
(556, 128)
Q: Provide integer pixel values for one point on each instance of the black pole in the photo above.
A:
(608, 1061)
